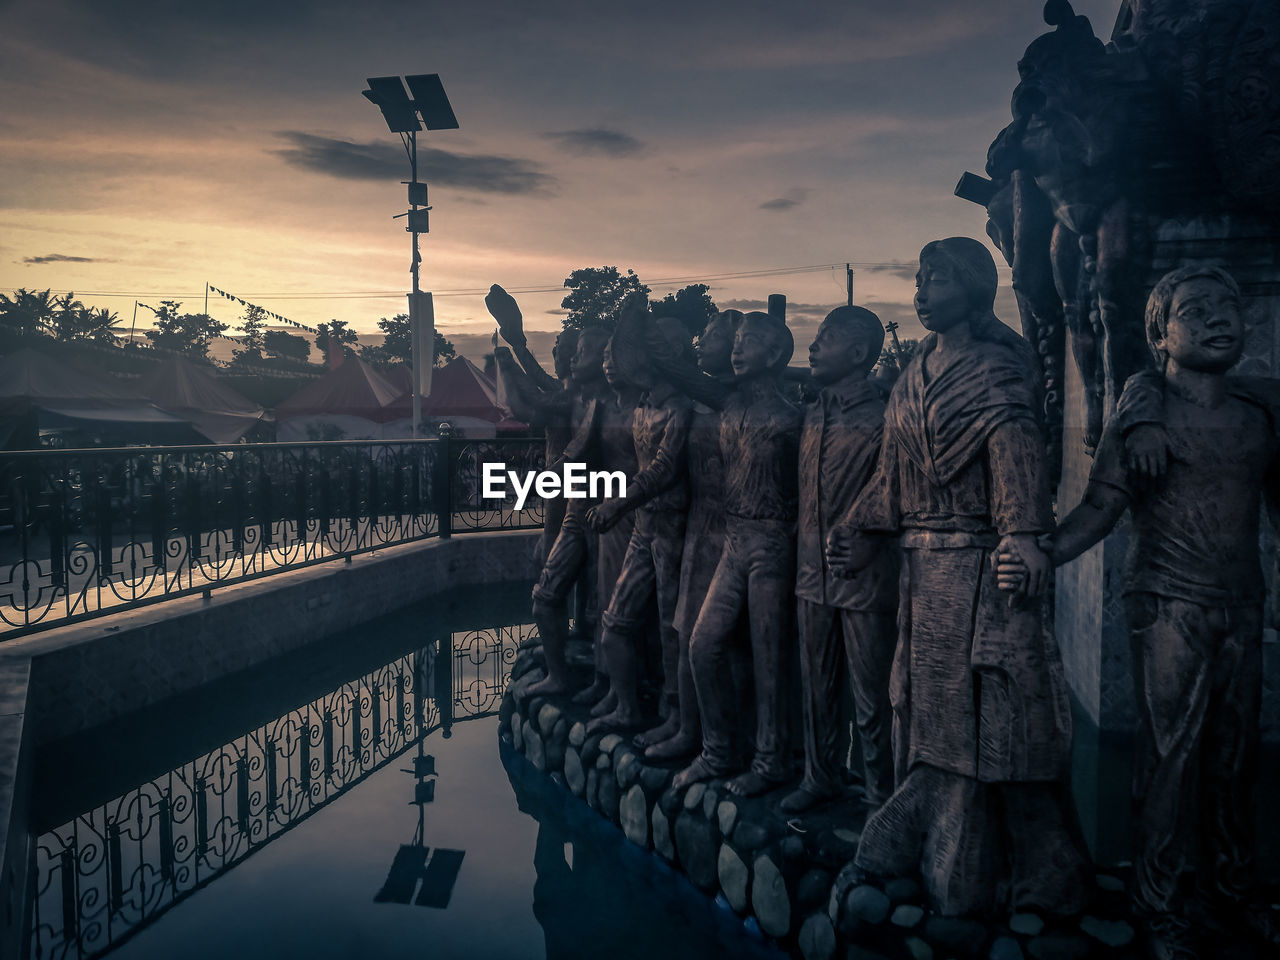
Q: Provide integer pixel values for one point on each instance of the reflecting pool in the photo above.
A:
(348, 800)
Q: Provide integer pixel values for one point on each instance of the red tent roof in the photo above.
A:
(461, 389)
(354, 389)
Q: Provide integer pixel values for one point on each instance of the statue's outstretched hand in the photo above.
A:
(1022, 568)
(503, 307)
(1147, 451)
(850, 551)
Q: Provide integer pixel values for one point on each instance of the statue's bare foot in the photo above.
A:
(751, 784)
(802, 799)
(607, 704)
(616, 720)
(598, 688)
(701, 769)
(549, 686)
(661, 732)
(672, 748)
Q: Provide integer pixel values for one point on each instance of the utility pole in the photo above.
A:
(892, 327)
(848, 279)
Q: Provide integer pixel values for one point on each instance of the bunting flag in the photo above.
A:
(269, 313)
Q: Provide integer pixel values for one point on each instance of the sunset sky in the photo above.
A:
(147, 147)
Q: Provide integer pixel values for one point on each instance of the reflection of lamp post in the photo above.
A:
(401, 113)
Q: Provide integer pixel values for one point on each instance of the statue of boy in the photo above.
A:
(647, 354)
(759, 439)
(1194, 592)
(843, 623)
(982, 728)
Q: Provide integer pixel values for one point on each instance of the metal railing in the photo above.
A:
(89, 532)
(114, 869)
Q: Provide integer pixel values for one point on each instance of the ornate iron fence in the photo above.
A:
(115, 868)
(88, 532)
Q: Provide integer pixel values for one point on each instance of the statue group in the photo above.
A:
(776, 561)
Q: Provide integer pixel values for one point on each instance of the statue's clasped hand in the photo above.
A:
(602, 517)
(1021, 565)
(849, 551)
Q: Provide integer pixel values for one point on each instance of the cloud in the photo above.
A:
(485, 173)
(902, 269)
(596, 141)
(60, 258)
(792, 199)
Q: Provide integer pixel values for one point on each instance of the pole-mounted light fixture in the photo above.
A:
(406, 115)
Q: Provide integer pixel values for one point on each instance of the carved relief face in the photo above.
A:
(941, 299)
(834, 353)
(611, 373)
(755, 349)
(562, 359)
(714, 346)
(1204, 330)
(587, 360)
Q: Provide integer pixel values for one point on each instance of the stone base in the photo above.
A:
(791, 878)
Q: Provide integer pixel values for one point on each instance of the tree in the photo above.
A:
(97, 325)
(185, 333)
(692, 305)
(337, 331)
(282, 345)
(27, 314)
(65, 322)
(889, 359)
(397, 344)
(596, 296)
(252, 325)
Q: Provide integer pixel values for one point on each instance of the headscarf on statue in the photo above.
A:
(943, 423)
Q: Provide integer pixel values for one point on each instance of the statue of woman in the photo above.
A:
(982, 728)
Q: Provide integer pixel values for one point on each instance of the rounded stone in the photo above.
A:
(627, 770)
(593, 778)
(560, 731)
(608, 742)
(517, 731)
(918, 949)
(750, 836)
(547, 717)
(956, 933)
(533, 746)
(817, 940)
(710, 800)
(555, 754)
(769, 899)
(633, 814)
(813, 888)
(578, 734)
(694, 795)
(608, 796)
(866, 904)
(662, 834)
(1114, 933)
(655, 778)
(1005, 948)
(1027, 924)
(902, 890)
(846, 880)
(727, 815)
(792, 847)
(698, 849)
(574, 775)
(906, 915)
(734, 876)
(602, 761)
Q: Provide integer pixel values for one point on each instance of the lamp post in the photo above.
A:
(402, 114)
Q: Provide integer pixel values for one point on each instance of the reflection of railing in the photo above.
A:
(87, 532)
(114, 869)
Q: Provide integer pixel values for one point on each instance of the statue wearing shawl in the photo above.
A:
(982, 728)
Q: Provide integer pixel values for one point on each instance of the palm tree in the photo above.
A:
(96, 325)
(28, 313)
(65, 322)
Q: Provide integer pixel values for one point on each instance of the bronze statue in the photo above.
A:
(846, 626)
(571, 551)
(704, 533)
(658, 493)
(982, 728)
(759, 440)
(1189, 454)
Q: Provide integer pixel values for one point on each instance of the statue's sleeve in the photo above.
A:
(540, 379)
(877, 508)
(582, 449)
(1020, 500)
(525, 400)
(1141, 401)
